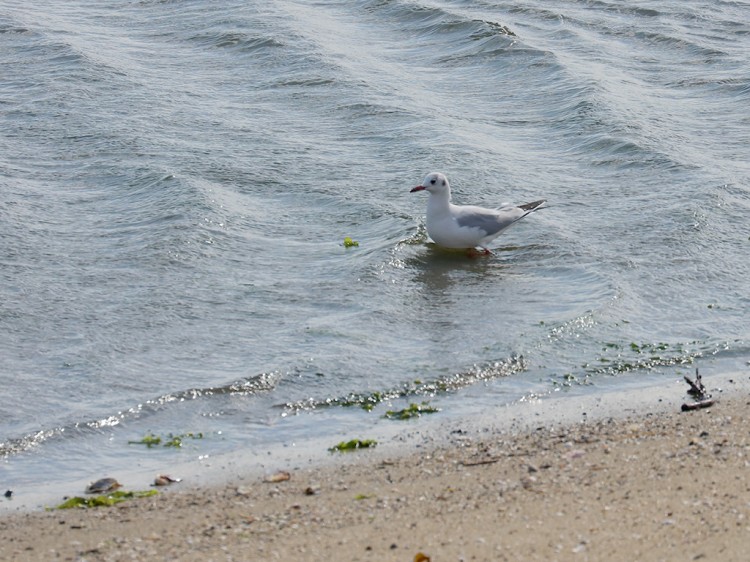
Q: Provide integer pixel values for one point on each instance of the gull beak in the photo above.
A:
(418, 188)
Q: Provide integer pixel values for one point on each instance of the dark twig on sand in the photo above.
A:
(696, 388)
(699, 393)
(698, 405)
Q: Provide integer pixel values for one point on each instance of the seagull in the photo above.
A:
(466, 226)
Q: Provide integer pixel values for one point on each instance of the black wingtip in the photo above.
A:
(528, 207)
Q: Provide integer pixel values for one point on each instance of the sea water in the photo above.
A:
(177, 180)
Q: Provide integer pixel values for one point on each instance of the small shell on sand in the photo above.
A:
(103, 485)
(280, 476)
(165, 480)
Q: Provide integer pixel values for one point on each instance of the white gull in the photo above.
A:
(466, 226)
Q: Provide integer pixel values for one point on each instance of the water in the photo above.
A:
(177, 180)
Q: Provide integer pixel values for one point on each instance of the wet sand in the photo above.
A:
(652, 486)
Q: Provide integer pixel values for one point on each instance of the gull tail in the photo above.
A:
(531, 207)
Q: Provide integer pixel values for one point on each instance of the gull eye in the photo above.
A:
(432, 181)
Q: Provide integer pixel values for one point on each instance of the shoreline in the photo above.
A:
(554, 408)
(652, 483)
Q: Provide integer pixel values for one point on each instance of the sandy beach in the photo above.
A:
(653, 486)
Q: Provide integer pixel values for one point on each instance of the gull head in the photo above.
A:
(434, 183)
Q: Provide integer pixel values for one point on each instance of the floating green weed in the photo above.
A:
(349, 243)
(353, 445)
(176, 440)
(413, 411)
(106, 500)
(169, 440)
(648, 347)
(617, 358)
(149, 440)
(569, 380)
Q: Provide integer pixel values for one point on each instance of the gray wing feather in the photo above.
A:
(491, 221)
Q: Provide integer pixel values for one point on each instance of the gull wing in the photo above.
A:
(492, 221)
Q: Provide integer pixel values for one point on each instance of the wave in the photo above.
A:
(439, 385)
(262, 383)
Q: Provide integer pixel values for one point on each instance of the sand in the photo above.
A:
(667, 486)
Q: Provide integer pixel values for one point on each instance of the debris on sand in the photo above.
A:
(699, 393)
